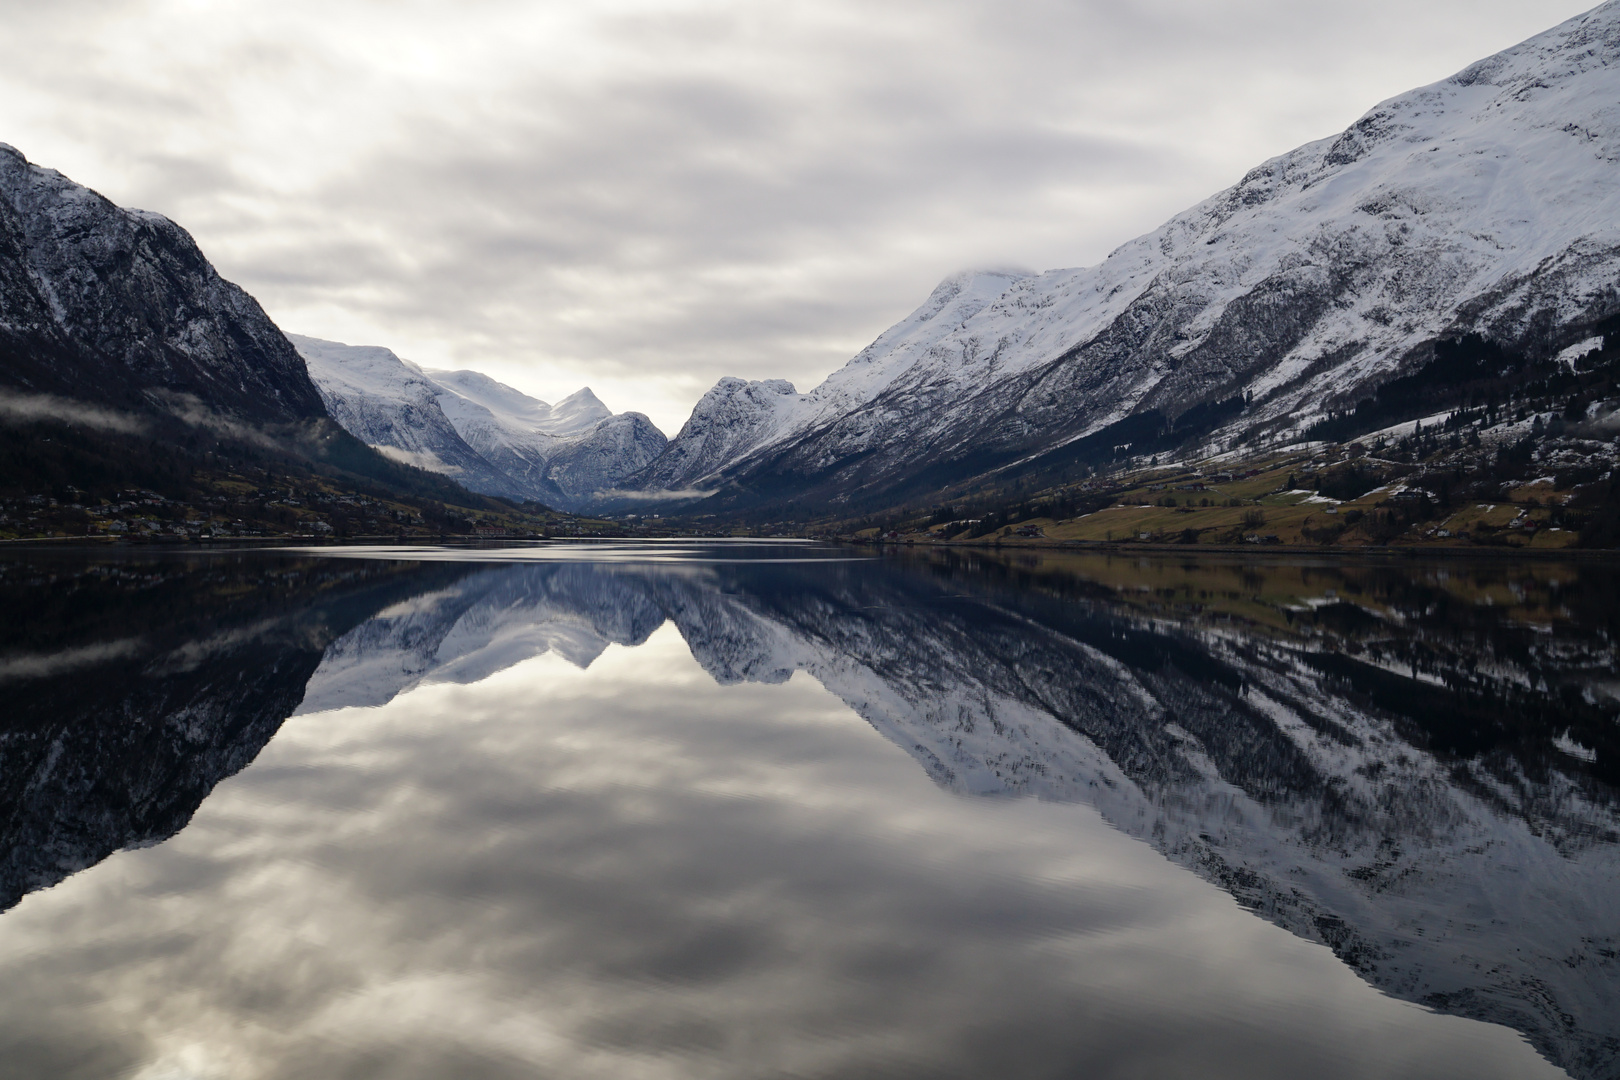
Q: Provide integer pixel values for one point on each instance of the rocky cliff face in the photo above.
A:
(118, 306)
(1484, 204)
(126, 361)
(599, 459)
(486, 435)
(730, 420)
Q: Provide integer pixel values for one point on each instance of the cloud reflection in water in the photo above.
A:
(601, 821)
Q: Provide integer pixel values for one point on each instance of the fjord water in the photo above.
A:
(744, 810)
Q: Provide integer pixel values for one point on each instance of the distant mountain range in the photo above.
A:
(1460, 244)
(486, 435)
(114, 324)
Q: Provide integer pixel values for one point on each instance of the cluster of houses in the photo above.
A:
(1205, 481)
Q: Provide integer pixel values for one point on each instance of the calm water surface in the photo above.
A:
(673, 811)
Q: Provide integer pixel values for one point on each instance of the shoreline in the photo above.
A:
(1382, 552)
(1403, 551)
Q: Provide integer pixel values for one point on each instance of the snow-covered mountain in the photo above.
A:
(488, 436)
(727, 423)
(126, 361)
(1485, 204)
(481, 624)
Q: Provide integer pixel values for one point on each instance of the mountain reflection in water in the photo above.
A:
(1413, 764)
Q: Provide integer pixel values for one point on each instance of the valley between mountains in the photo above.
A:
(1404, 333)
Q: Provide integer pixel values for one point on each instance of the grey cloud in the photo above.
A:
(421, 459)
(189, 409)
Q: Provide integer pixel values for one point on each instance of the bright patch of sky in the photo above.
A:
(643, 196)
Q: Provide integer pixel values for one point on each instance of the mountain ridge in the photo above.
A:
(129, 364)
(489, 436)
(1486, 203)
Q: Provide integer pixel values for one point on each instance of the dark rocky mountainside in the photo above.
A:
(115, 306)
(128, 364)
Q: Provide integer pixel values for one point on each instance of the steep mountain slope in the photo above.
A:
(114, 306)
(126, 361)
(1485, 204)
(727, 423)
(490, 437)
(599, 458)
(389, 404)
(736, 417)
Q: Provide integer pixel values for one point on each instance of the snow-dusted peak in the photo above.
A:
(953, 301)
(516, 411)
(102, 303)
(734, 417)
(370, 369)
(758, 386)
(577, 412)
(512, 406)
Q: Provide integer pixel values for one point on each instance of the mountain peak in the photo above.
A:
(968, 289)
(577, 411)
(106, 304)
(583, 398)
(479, 384)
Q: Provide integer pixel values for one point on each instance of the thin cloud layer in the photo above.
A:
(644, 196)
(31, 408)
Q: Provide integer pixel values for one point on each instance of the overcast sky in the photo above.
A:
(645, 195)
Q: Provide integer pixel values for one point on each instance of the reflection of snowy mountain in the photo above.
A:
(482, 624)
(1475, 891)
(1476, 882)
